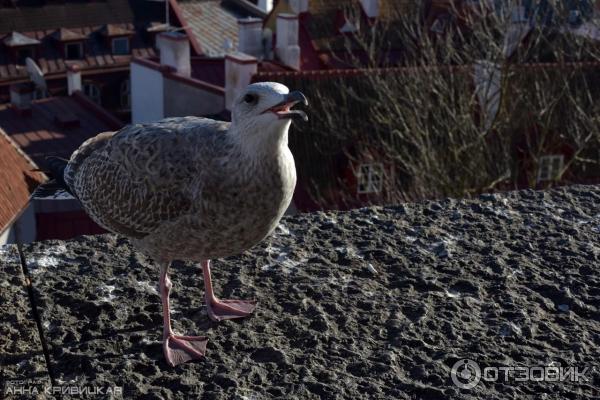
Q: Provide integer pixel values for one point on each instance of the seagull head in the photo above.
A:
(265, 108)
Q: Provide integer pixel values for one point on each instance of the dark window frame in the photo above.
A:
(79, 51)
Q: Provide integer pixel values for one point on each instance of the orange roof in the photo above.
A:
(17, 180)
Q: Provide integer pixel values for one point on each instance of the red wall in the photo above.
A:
(65, 225)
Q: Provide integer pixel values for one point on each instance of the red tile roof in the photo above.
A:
(44, 25)
(17, 181)
(263, 76)
(51, 15)
(324, 46)
(57, 126)
(65, 35)
(111, 30)
(211, 22)
(97, 53)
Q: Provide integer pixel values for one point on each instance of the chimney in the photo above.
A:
(250, 36)
(299, 6)
(239, 70)
(287, 48)
(73, 78)
(21, 95)
(265, 5)
(371, 8)
(175, 52)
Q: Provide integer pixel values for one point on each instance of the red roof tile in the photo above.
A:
(65, 35)
(92, 22)
(17, 181)
(97, 52)
(111, 30)
(214, 21)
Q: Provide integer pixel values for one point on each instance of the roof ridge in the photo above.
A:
(361, 71)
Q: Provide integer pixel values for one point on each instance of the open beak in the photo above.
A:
(283, 110)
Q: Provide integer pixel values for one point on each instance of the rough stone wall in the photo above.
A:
(372, 303)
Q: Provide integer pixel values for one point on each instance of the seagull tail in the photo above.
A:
(56, 171)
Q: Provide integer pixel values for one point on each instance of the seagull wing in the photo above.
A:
(134, 180)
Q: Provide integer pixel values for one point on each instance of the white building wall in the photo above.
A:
(286, 46)
(147, 94)
(23, 230)
(239, 69)
(8, 236)
(182, 99)
(175, 52)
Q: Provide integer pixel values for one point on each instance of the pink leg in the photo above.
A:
(219, 310)
(177, 349)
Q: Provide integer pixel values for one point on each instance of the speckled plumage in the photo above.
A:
(185, 188)
(193, 189)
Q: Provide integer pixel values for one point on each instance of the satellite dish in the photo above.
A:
(35, 73)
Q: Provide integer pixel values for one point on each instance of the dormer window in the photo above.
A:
(22, 46)
(118, 38)
(120, 46)
(74, 51)
(71, 42)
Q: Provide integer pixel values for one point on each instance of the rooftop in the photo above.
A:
(34, 15)
(212, 70)
(214, 22)
(57, 126)
(15, 39)
(18, 180)
(43, 26)
(377, 300)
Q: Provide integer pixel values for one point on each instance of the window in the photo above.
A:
(22, 54)
(126, 94)
(370, 178)
(92, 91)
(73, 51)
(550, 167)
(120, 46)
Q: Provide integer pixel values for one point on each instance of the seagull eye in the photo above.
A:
(250, 98)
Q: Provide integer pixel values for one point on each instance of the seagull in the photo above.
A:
(192, 189)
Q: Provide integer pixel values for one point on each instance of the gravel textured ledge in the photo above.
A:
(372, 303)
(21, 352)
